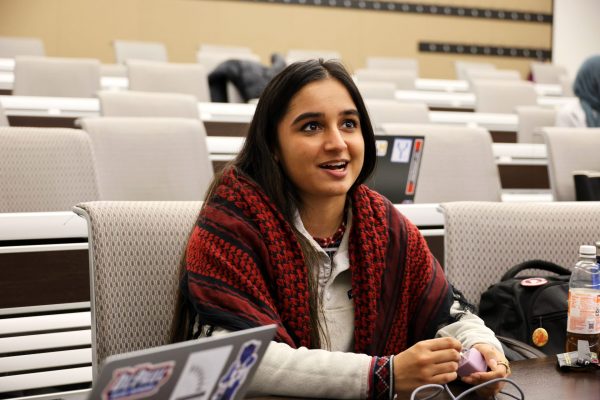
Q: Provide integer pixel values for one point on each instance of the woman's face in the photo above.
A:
(321, 147)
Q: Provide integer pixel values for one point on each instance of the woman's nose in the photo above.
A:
(335, 140)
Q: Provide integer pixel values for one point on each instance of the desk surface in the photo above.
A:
(540, 379)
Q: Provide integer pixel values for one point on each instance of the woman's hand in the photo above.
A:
(428, 361)
(498, 366)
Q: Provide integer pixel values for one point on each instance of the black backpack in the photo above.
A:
(515, 310)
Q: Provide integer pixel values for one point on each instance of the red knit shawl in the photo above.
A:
(245, 268)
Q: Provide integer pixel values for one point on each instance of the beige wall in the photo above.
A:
(85, 28)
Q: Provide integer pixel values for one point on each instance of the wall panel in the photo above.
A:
(85, 28)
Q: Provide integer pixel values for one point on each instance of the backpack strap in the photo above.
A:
(535, 264)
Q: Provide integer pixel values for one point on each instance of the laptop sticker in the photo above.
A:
(413, 171)
(381, 146)
(238, 371)
(200, 374)
(138, 382)
(401, 150)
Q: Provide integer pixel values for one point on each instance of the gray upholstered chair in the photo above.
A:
(493, 74)
(462, 67)
(547, 73)
(127, 103)
(135, 252)
(3, 119)
(394, 63)
(150, 158)
(391, 111)
(457, 163)
(503, 96)
(482, 240)
(531, 118)
(136, 50)
(10, 47)
(45, 169)
(570, 149)
(56, 77)
(403, 79)
(377, 90)
(151, 76)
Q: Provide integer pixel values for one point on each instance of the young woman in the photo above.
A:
(290, 235)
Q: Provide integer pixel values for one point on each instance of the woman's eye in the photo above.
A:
(350, 124)
(311, 126)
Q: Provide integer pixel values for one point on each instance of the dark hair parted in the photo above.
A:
(257, 157)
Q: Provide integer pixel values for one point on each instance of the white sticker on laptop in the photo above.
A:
(381, 146)
(200, 374)
(401, 150)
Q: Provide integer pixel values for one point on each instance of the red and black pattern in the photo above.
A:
(245, 268)
(380, 384)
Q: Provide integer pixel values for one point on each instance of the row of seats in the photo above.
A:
(152, 236)
(155, 51)
(52, 169)
(49, 169)
(57, 77)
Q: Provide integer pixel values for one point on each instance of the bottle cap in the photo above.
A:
(586, 250)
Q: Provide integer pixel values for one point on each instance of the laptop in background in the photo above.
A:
(215, 368)
(398, 163)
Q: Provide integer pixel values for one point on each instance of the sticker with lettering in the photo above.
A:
(138, 382)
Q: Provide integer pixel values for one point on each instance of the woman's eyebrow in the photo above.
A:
(351, 111)
(307, 115)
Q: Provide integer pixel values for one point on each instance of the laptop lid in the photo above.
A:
(219, 367)
(398, 163)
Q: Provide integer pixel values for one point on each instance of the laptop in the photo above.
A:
(398, 163)
(215, 368)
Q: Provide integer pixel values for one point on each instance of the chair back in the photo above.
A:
(45, 169)
(377, 90)
(394, 63)
(150, 76)
(570, 149)
(482, 240)
(503, 96)
(126, 103)
(10, 47)
(462, 67)
(3, 119)
(135, 50)
(493, 74)
(56, 77)
(135, 250)
(457, 163)
(391, 111)
(403, 79)
(150, 158)
(531, 119)
(547, 73)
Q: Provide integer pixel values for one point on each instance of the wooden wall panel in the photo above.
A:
(85, 28)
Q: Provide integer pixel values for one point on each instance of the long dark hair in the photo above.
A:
(256, 160)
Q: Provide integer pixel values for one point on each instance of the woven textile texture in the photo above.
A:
(570, 149)
(136, 249)
(483, 240)
(45, 169)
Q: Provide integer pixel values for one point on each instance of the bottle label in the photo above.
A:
(584, 312)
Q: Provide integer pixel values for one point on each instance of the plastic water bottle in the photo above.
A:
(583, 322)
